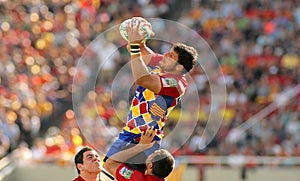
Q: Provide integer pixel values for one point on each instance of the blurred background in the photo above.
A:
(256, 42)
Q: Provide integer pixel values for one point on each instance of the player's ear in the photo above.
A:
(79, 166)
(179, 68)
(149, 165)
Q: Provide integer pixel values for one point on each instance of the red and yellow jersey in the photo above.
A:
(149, 109)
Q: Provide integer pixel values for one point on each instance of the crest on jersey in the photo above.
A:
(169, 82)
(126, 173)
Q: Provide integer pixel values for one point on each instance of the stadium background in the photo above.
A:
(256, 42)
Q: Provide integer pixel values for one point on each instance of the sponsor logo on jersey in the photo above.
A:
(126, 173)
(169, 82)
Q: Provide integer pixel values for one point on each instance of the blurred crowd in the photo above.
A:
(256, 42)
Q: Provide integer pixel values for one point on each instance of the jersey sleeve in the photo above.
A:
(155, 58)
(171, 86)
(124, 173)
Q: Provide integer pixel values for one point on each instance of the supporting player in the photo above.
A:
(159, 164)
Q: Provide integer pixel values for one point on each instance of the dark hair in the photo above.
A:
(79, 156)
(163, 164)
(187, 55)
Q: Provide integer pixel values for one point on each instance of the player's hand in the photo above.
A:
(147, 137)
(133, 32)
(147, 24)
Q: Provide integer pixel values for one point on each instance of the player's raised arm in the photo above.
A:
(140, 71)
(146, 52)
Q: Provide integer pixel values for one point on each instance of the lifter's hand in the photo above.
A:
(147, 137)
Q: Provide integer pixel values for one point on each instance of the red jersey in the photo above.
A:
(124, 173)
(149, 109)
(79, 179)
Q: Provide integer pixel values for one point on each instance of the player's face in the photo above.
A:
(169, 61)
(91, 162)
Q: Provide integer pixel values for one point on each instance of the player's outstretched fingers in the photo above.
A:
(148, 136)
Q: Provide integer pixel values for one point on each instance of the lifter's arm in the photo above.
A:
(146, 142)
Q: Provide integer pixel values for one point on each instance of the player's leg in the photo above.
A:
(124, 140)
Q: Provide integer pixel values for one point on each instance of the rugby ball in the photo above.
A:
(145, 26)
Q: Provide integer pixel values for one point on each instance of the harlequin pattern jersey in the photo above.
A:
(149, 109)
